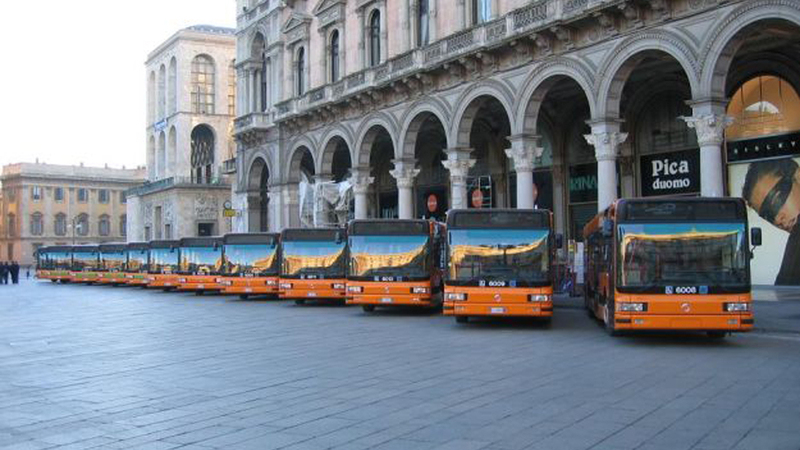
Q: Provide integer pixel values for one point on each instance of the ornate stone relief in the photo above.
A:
(709, 127)
(206, 207)
(606, 144)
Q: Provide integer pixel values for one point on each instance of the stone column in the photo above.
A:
(709, 121)
(404, 172)
(606, 138)
(361, 181)
(524, 152)
(321, 210)
(362, 30)
(458, 162)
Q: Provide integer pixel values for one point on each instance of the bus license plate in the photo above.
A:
(312, 294)
(497, 310)
(386, 300)
(248, 289)
(201, 286)
(167, 284)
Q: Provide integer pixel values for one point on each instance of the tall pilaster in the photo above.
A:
(524, 152)
(709, 121)
(405, 172)
(458, 163)
(606, 139)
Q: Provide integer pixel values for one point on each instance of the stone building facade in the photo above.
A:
(191, 98)
(426, 105)
(48, 204)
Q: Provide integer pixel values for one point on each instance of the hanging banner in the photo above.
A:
(670, 173)
(583, 183)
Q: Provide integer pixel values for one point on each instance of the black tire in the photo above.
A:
(716, 335)
(462, 319)
(609, 319)
(299, 302)
(244, 296)
(368, 308)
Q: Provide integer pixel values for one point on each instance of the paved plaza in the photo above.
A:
(84, 367)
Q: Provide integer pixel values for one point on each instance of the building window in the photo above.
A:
(334, 57)
(162, 92)
(203, 85)
(82, 225)
(481, 11)
(60, 225)
(423, 23)
(104, 226)
(202, 156)
(168, 231)
(123, 225)
(83, 195)
(375, 38)
(173, 86)
(37, 224)
(10, 252)
(102, 195)
(300, 71)
(12, 225)
(151, 97)
(147, 234)
(264, 89)
(232, 89)
(123, 198)
(36, 193)
(11, 194)
(58, 194)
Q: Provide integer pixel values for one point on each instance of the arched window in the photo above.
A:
(264, 86)
(161, 165)
(60, 225)
(151, 158)
(123, 225)
(375, 38)
(82, 225)
(162, 92)
(763, 106)
(423, 23)
(172, 151)
(151, 98)
(173, 86)
(12, 225)
(202, 158)
(334, 56)
(481, 11)
(104, 225)
(300, 71)
(37, 224)
(232, 88)
(202, 85)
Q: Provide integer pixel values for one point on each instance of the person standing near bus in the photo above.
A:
(3, 273)
(14, 269)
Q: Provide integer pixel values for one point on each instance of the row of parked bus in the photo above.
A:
(650, 264)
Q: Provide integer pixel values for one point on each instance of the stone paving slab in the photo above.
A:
(103, 367)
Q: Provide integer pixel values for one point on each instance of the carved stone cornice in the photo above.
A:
(564, 35)
(544, 44)
(632, 14)
(607, 21)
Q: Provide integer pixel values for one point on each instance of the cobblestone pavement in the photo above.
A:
(84, 367)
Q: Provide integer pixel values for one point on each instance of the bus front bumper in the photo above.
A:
(391, 300)
(249, 286)
(88, 277)
(695, 322)
(162, 281)
(329, 289)
(538, 309)
(136, 280)
(198, 283)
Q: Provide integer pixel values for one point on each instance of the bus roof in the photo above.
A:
(115, 247)
(201, 241)
(85, 248)
(389, 227)
(57, 248)
(699, 209)
(164, 244)
(313, 234)
(498, 218)
(251, 238)
(138, 245)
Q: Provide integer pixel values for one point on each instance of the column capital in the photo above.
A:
(361, 180)
(606, 143)
(525, 151)
(404, 172)
(710, 127)
(458, 163)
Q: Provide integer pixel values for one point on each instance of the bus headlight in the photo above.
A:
(419, 290)
(538, 298)
(631, 307)
(456, 296)
(338, 285)
(355, 289)
(286, 285)
(271, 282)
(736, 307)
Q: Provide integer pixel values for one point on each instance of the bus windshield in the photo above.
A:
(389, 257)
(201, 260)
(313, 259)
(251, 259)
(113, 261)
(58, 260)
(85, 260)
(499, 257)
(137, 260)
(656, 257)
(163, 260)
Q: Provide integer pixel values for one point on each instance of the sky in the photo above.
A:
(73, 78)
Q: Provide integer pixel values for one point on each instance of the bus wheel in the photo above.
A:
(244, 296)
(462, 319)
(609, 319)
(299, 302)
(716, 335)
(368, 308)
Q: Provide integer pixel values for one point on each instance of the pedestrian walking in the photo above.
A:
(14, 272)
(28, 273)
(3, 273)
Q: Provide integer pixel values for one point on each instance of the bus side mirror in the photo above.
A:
(559, 240)
(755, 236)
(607, 227)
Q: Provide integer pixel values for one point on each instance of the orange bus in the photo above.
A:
(54, 263)
(138, 254)
(251, 264)
(164, 258)
(394, 262)
(201, 264)
(85, 264)
(499, 263)
(313, 264)
(671, 264)
(113, 258)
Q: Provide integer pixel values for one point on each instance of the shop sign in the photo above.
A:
(583, 183)
(764, 147)
(670, 173)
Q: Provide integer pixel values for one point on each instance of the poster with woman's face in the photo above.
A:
(771, 189)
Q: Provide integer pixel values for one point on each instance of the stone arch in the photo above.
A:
(413, 119)
(722, 42)
(367, 133)
(295, 160)
(328, 147)
(257, 44)
(258, 164)
(538, 83)
(763, 64)
(467, 108)
(624, 58)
